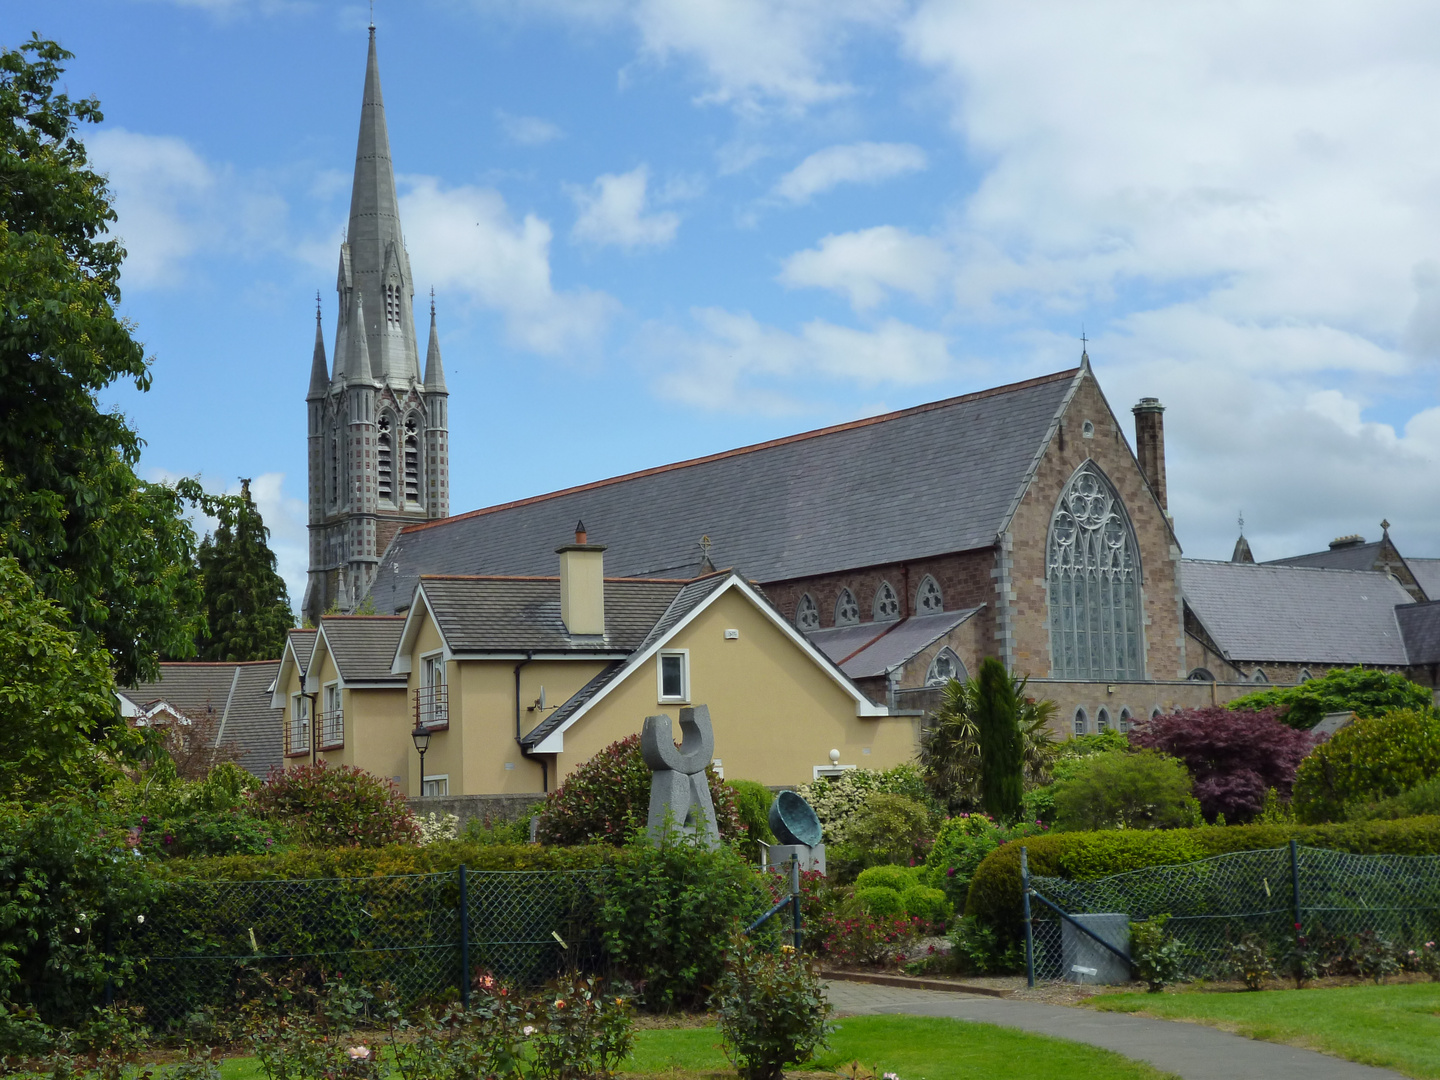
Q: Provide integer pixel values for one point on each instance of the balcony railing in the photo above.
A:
(297, 737)
(332, 729)
(432, 706)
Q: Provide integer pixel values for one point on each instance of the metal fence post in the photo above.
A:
(1295, 889)
(795, 899)
(464, 939)
(1025, 907)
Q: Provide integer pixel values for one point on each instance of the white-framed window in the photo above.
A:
(847, 611)
(944, 667)
(1093, 579)
(807, 614)
(928, 598)
(438, 784)
(1102, 720)
(332, 716)
(1082, 722)
(1126, 721)
(672, 675)
(299, 733)
(432, 701)
(830, 772)
(887, 604)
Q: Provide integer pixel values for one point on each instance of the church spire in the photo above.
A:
(434, 369)
(319, 368)
(379, 265)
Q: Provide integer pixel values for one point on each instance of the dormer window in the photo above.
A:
(928, 600)
(807, 615)
(887, 605)
(847, 611)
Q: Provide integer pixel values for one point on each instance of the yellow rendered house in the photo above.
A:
(517, 680)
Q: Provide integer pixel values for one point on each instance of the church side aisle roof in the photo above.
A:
(933, 479)
(1427, 573)
(1297, 614)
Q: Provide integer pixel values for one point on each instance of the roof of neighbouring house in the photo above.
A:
(1296, 614)
(237, 695)
(363, 646)
(867, 650)
(814, 502)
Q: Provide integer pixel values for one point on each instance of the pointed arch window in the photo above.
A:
(385, 458)
(928, 599)
(412, 460)
(887, 605)
(1126, 721)
(944, 667)
(1093, 582)
(847, 611)
(1102, 720)
(1258, 676)
(1082, 722)
(807, 615)
(334, 468)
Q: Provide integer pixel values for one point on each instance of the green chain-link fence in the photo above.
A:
(196, 947)
(1327, 897)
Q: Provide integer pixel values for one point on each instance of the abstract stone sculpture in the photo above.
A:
(679, 789)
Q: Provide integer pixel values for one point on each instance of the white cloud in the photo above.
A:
(733, 361)
(527, 130)
(866, 265)
(857, 163)
(467, 240)
(613, 212)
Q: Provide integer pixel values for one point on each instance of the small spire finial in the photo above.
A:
(1242, 522)
(1384, 525)
(432, 301)
(317, 305)
(372, 18)
(705, 545)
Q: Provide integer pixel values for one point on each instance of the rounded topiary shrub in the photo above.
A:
(927, 904)
(1144, 789)
(890, 828)
(336, 806)
(898, 878)
(879, 901)
(1370, 759)
(606, 799)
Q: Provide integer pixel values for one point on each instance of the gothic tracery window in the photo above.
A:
(412, 461)
(928, 600)
(1082, 722)
(887, 605)
(847, 611)
(944, 667)
(807, 615)
(385, 458)
(1093, 579)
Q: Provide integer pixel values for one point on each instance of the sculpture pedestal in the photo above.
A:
(811, 858)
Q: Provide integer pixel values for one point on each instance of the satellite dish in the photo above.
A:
(793, 821)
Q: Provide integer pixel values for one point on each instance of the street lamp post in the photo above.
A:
(421, 738)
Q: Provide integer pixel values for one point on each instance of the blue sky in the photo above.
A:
(660, 228)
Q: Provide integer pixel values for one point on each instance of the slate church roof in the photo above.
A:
(1420, 625)
(1297, 614)
(1427, 573)
(937, 478)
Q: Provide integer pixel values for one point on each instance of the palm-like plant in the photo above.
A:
(950, 744)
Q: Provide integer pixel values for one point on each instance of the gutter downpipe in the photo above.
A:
(544, 766)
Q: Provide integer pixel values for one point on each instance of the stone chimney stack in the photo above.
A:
(1150, 446)
(582, 585)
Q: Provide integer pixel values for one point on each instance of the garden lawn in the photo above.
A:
(1396, 1027)
(917, 1048)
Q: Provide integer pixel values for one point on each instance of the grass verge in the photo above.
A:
(1396, 1027)
(914, 1047)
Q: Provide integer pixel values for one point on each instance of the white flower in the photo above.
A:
(529, 1030)
(140, 919)
(359, 1053)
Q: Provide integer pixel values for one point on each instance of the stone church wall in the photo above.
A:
(1029, 530)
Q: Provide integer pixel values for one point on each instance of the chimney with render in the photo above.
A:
(582, 585)
(1150, 446)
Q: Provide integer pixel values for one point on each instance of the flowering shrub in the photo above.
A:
(337, 806)
(772, 1010)
(859, 940)
(435, 827)
(1427, 959)
(607, 799)
(962, 844)
(1158, 957)
(1249, 960)
(1368, 760)
(836, 801)
(581, 1029)
(298, 1032)
(1233, 757)
(484, 1039)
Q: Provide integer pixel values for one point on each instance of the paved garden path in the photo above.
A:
(1189, 1050)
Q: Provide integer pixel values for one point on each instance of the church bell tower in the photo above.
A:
(379, 444)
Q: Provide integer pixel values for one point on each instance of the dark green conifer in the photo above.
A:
(1002, 753)
(247, 607)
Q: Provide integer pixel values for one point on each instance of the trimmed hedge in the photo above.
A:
(440, 857)
(994, 897)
